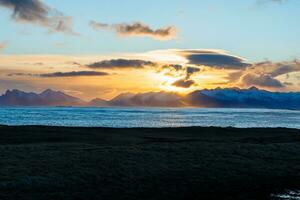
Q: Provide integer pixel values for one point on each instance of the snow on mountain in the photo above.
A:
(240, 98)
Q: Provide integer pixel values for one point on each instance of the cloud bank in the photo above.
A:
(120, 64)
(261, 74)
(263, 80)
(74, 74)
(36, 12)
(137, 30)
(265, 74)
(63, 74)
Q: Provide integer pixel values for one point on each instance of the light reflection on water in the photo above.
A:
(148, 117)
(289, 195)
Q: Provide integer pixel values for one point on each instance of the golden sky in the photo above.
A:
(173, 70)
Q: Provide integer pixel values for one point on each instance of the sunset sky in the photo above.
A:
(101, 48)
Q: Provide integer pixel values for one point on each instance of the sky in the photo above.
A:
(103, 48)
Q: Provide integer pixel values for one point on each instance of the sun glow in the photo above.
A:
(165, 83)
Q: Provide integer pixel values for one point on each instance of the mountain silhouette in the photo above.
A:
(46, 98)
(214, 98)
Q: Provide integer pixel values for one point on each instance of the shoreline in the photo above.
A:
(134, 128)
(40, 162)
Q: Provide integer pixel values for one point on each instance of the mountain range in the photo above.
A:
(215, 98)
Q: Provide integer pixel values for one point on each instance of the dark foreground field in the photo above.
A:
(143, 164)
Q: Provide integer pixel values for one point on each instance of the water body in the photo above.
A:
(148, 117)
(289, 195)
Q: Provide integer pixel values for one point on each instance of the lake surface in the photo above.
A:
(148, 117)
(289, 195)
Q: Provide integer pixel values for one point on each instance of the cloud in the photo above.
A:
(64, 24)
(187, 82)
(213, 58)
(62, 74)
(120, 63)
(74, 73)
(183, 83)
(20, 74)
(137, 30)
(98, 26)
(275, 69)
(176, 70)
(261, 74)
(36, 12)
(175, 67)
(266, 74)
(262, 80)
(179, 68)
(191, 70)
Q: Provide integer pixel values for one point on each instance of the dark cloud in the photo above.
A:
(179, 68)
(187, 82)
(137, 29)
(215, 59)
(191, 70)
(120, 63)
(262, 80)
(183, 83)
(27, 10)
(36, 12)
(74, 73)
(20, 74)
(63, 74)
(172, 67)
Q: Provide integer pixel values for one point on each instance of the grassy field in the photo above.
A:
(147, 164)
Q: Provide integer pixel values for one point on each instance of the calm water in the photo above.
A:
(289, 195)
(148, 117)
